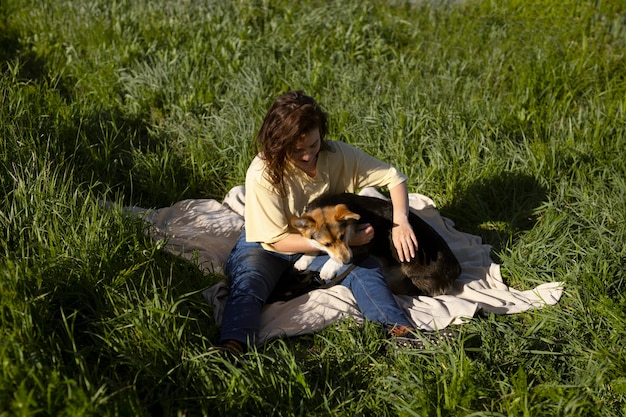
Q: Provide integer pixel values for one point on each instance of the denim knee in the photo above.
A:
(253, 273)
(373, 296)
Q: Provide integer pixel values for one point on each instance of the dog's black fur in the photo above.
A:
(434, 268)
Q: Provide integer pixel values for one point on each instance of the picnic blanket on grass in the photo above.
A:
(205, 231)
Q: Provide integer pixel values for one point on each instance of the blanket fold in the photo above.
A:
(205, 231)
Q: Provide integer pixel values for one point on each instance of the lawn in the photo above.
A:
(509, 114)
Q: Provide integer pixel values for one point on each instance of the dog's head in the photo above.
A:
(329, 229)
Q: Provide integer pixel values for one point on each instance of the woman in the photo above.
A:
(295, 165)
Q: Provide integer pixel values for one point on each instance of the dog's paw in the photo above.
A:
(303, 263)
(329, 270)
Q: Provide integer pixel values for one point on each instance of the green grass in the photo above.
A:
(510, 115)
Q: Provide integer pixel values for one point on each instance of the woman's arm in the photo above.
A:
(402, 233)
(294, 242)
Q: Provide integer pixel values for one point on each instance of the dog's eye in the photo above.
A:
(328, 245)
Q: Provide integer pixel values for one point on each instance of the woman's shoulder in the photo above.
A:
(335, 146)
(258, 163)
(343, 151)
(257, 173)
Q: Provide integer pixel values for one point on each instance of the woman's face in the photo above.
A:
(304, 152)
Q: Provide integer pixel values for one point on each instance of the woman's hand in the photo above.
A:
(402, 233)
(363, 235)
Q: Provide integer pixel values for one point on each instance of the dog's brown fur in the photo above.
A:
(329, 228)
(331, 220)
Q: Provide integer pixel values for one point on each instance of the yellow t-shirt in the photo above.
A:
(343, 168)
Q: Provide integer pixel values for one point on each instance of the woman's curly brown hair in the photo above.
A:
(290, 118)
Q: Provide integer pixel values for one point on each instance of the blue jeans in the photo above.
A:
(254, 272)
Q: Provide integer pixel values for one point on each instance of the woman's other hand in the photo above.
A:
(404, 240)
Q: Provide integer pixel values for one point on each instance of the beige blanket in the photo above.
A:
(205, 231)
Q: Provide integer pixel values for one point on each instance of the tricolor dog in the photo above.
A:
(330, 221)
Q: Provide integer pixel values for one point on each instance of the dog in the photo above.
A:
(331, 220)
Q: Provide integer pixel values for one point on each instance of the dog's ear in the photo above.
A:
(343, 214)
(302, 223)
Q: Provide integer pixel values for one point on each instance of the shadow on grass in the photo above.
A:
(9, 43)
(124, 154)
(101, 145)
(130, 328)
(497, 208)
